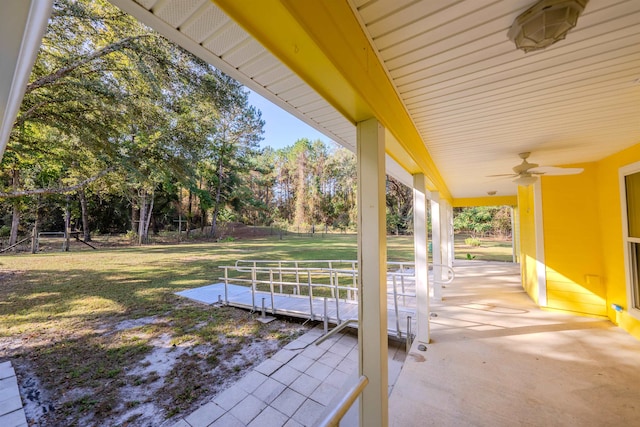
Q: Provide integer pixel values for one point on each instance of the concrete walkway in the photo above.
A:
(294, 387)
(11, 412)
(496, 359)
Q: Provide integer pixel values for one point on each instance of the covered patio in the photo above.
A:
(436, 94)
(497, 359)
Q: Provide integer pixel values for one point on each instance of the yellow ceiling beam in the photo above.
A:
(485, 201)
(323, 43)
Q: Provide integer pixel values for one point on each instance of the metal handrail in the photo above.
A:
(332, 419)
(333, 279)
(334, 331)
(280, 263)
(451, 274)
(244, 263)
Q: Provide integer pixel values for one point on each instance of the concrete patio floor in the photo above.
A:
(496, 359)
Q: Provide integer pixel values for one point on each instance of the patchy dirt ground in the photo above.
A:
(100, 341)
(155, 378)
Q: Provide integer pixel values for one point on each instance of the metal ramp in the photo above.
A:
(315, 290)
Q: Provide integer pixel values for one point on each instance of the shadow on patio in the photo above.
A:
(497, 359)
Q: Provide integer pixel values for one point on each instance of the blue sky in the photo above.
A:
(281, 128)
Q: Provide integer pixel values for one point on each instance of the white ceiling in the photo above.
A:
(475, 100)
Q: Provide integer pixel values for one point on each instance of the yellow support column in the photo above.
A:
(372, 266)
(421, 244)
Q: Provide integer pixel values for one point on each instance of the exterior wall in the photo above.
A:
(608, 191)
(583, 243)
(572, 247)
(527, 238)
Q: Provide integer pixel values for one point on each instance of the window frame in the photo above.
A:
(631, 260)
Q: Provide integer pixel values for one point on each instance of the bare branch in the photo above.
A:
(57, 190)
(51, 78)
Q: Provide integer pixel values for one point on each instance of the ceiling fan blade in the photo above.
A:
(502, 174)
(554, 170)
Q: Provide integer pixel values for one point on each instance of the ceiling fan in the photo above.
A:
(526, 173)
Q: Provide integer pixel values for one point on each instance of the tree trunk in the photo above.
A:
(85, 215)
(34, 232)
(203, 214)
(15, 219)
(134, 210)
(216, 206)
(301, 197)
(147, 218)
(143, 213)
(67, 224)
(15, 223)
(189, 213)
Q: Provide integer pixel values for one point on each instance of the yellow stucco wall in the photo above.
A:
(527, 247)
(572, 247)
(609, 208)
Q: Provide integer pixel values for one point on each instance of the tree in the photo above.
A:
(76, 85)
(120, 98)
(237, 131)
(399, 200)
(482, 220)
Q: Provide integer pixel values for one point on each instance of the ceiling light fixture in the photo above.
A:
(525, 179)
(545, 23)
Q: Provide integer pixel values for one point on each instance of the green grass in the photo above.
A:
(65, 309)
(483, 249)
(60, 291)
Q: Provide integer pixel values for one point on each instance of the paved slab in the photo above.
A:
(294, 387)
(11, 412)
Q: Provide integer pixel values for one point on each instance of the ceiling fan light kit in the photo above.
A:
(545, 23)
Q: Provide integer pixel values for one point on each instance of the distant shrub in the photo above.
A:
(472, 241)
(5, 231)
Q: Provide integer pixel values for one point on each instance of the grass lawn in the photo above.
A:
(488, 250)
(89, 326)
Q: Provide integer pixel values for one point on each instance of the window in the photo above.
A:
(630, 185)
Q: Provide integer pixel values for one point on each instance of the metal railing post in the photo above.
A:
(326, 318)
(404, 301)
(335, 282)
(253, 287)
(395, 306)
(310, 294)
(273, 308)
(409, 334)
(354, 294)
(333, 295)
(280, 274)
(226, 285)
